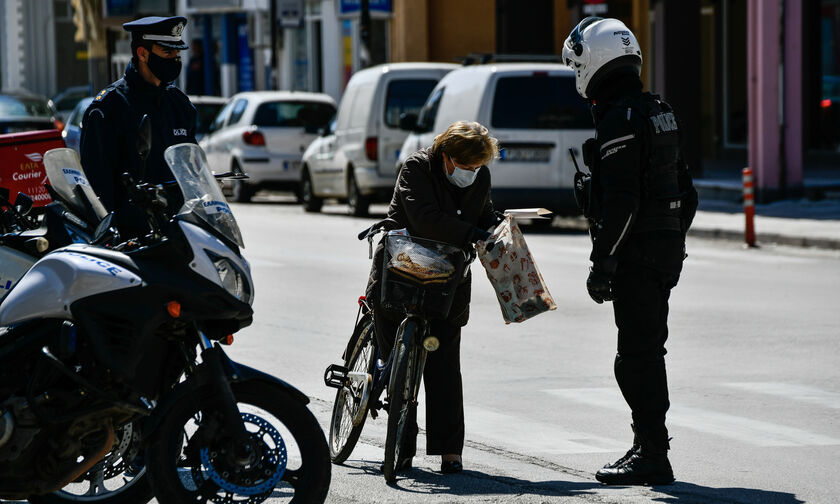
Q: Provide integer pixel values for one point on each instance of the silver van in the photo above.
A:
(534, 111)
(355, 158)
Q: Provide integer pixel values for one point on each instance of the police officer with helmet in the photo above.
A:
(640, 202)
(111, 123)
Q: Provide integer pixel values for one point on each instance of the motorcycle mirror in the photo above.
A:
(103, 227)
(23, 203)
(144, 142)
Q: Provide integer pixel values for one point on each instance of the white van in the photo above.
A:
(355, 160)
(534, 111)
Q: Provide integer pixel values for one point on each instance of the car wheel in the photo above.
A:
(358, 204)
(242, 192)
(311, 203)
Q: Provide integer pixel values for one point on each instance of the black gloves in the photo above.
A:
(482, 235)
(599, 283)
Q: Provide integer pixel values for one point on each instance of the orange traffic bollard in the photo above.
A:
(749, 207)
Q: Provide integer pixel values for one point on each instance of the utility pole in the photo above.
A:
(273, 23)
(364, 34)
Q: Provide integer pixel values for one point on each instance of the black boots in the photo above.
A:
(646, 463)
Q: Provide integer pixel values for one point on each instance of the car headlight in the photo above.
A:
(233, 279)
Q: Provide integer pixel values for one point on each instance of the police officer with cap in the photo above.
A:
(640, 202)
(111, 123)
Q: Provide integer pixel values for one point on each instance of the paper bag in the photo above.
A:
(520, 288)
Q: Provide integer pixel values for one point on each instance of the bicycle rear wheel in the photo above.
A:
(351, 401)
(402, 392)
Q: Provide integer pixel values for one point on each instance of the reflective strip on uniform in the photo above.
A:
(617, 140)
(623, 232)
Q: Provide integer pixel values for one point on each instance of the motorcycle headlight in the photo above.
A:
(233, 279)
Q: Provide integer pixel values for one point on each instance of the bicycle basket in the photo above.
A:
(420, 276)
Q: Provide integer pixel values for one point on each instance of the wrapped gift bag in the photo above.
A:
(520, 288)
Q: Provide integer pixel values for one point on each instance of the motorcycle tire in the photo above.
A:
(114, 480)
(351, 406)
(200, 473)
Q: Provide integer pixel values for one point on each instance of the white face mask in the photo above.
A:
(461, 177)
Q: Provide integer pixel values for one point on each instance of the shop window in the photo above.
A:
(735, 73)
(828, 97)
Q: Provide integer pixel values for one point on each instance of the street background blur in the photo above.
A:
(756, 83)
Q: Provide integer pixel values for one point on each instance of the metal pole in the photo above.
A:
(364, 34)
(749, 207)
(273, 21)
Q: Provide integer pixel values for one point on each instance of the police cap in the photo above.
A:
(164, 31)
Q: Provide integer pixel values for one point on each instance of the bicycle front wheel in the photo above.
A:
(351, 401)
(402, 391)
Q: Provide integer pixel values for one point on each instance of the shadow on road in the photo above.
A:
(689, 493)
(425, 481)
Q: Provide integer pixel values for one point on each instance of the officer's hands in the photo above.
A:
(599, 283)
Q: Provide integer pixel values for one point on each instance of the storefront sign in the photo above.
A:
(246, 62)
(594, 7)
(22, 163)
(128, 8)
(353, 6)
(290, 13)
(193, 5)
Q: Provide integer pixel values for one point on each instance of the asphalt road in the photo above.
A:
(754, 370)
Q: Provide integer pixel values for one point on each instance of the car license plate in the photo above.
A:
(526, 155)
(291, 165)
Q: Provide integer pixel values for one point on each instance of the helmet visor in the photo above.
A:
(576, 37)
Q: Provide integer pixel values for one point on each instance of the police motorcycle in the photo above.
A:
(94, 340)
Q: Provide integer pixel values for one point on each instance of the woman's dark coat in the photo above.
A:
(429, 206)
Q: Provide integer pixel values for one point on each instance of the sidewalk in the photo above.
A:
(802, 222)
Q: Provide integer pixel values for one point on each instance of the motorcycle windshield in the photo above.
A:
(202, 195)
(68, 180)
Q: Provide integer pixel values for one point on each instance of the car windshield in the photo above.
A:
(13, 106)
(206, 112)
(539, 101)
(294, 114)
(202, 195)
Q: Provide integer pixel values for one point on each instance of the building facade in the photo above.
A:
(757, 83)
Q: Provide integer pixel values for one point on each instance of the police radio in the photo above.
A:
(582, 187)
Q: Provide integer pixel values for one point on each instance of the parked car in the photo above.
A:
(534, 111)
(263, 134)
(65, 102)
(72, 132)
(355, 160)
(23, 111)
(208, 108)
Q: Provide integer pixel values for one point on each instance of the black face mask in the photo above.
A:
(165, 69)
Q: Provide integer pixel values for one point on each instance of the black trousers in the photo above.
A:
(444, 391)
(641, 315)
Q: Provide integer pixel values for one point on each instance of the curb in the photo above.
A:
(768, 238)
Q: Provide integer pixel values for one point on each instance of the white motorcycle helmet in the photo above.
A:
(596, 47)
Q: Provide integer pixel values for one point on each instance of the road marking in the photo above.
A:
(747, 430)
(533, 437)
(793, 392)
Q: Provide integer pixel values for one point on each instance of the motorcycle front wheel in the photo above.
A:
(291, 461)
(119, 478)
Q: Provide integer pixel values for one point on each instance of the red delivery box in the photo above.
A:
(22, 163)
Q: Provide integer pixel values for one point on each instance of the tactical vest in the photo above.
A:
(662, 194)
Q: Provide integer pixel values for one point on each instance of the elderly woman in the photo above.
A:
(442, 194)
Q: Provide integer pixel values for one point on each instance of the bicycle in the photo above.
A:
(419, 279)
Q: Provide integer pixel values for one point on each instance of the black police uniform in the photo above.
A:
(643, 202)
(111, 123)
